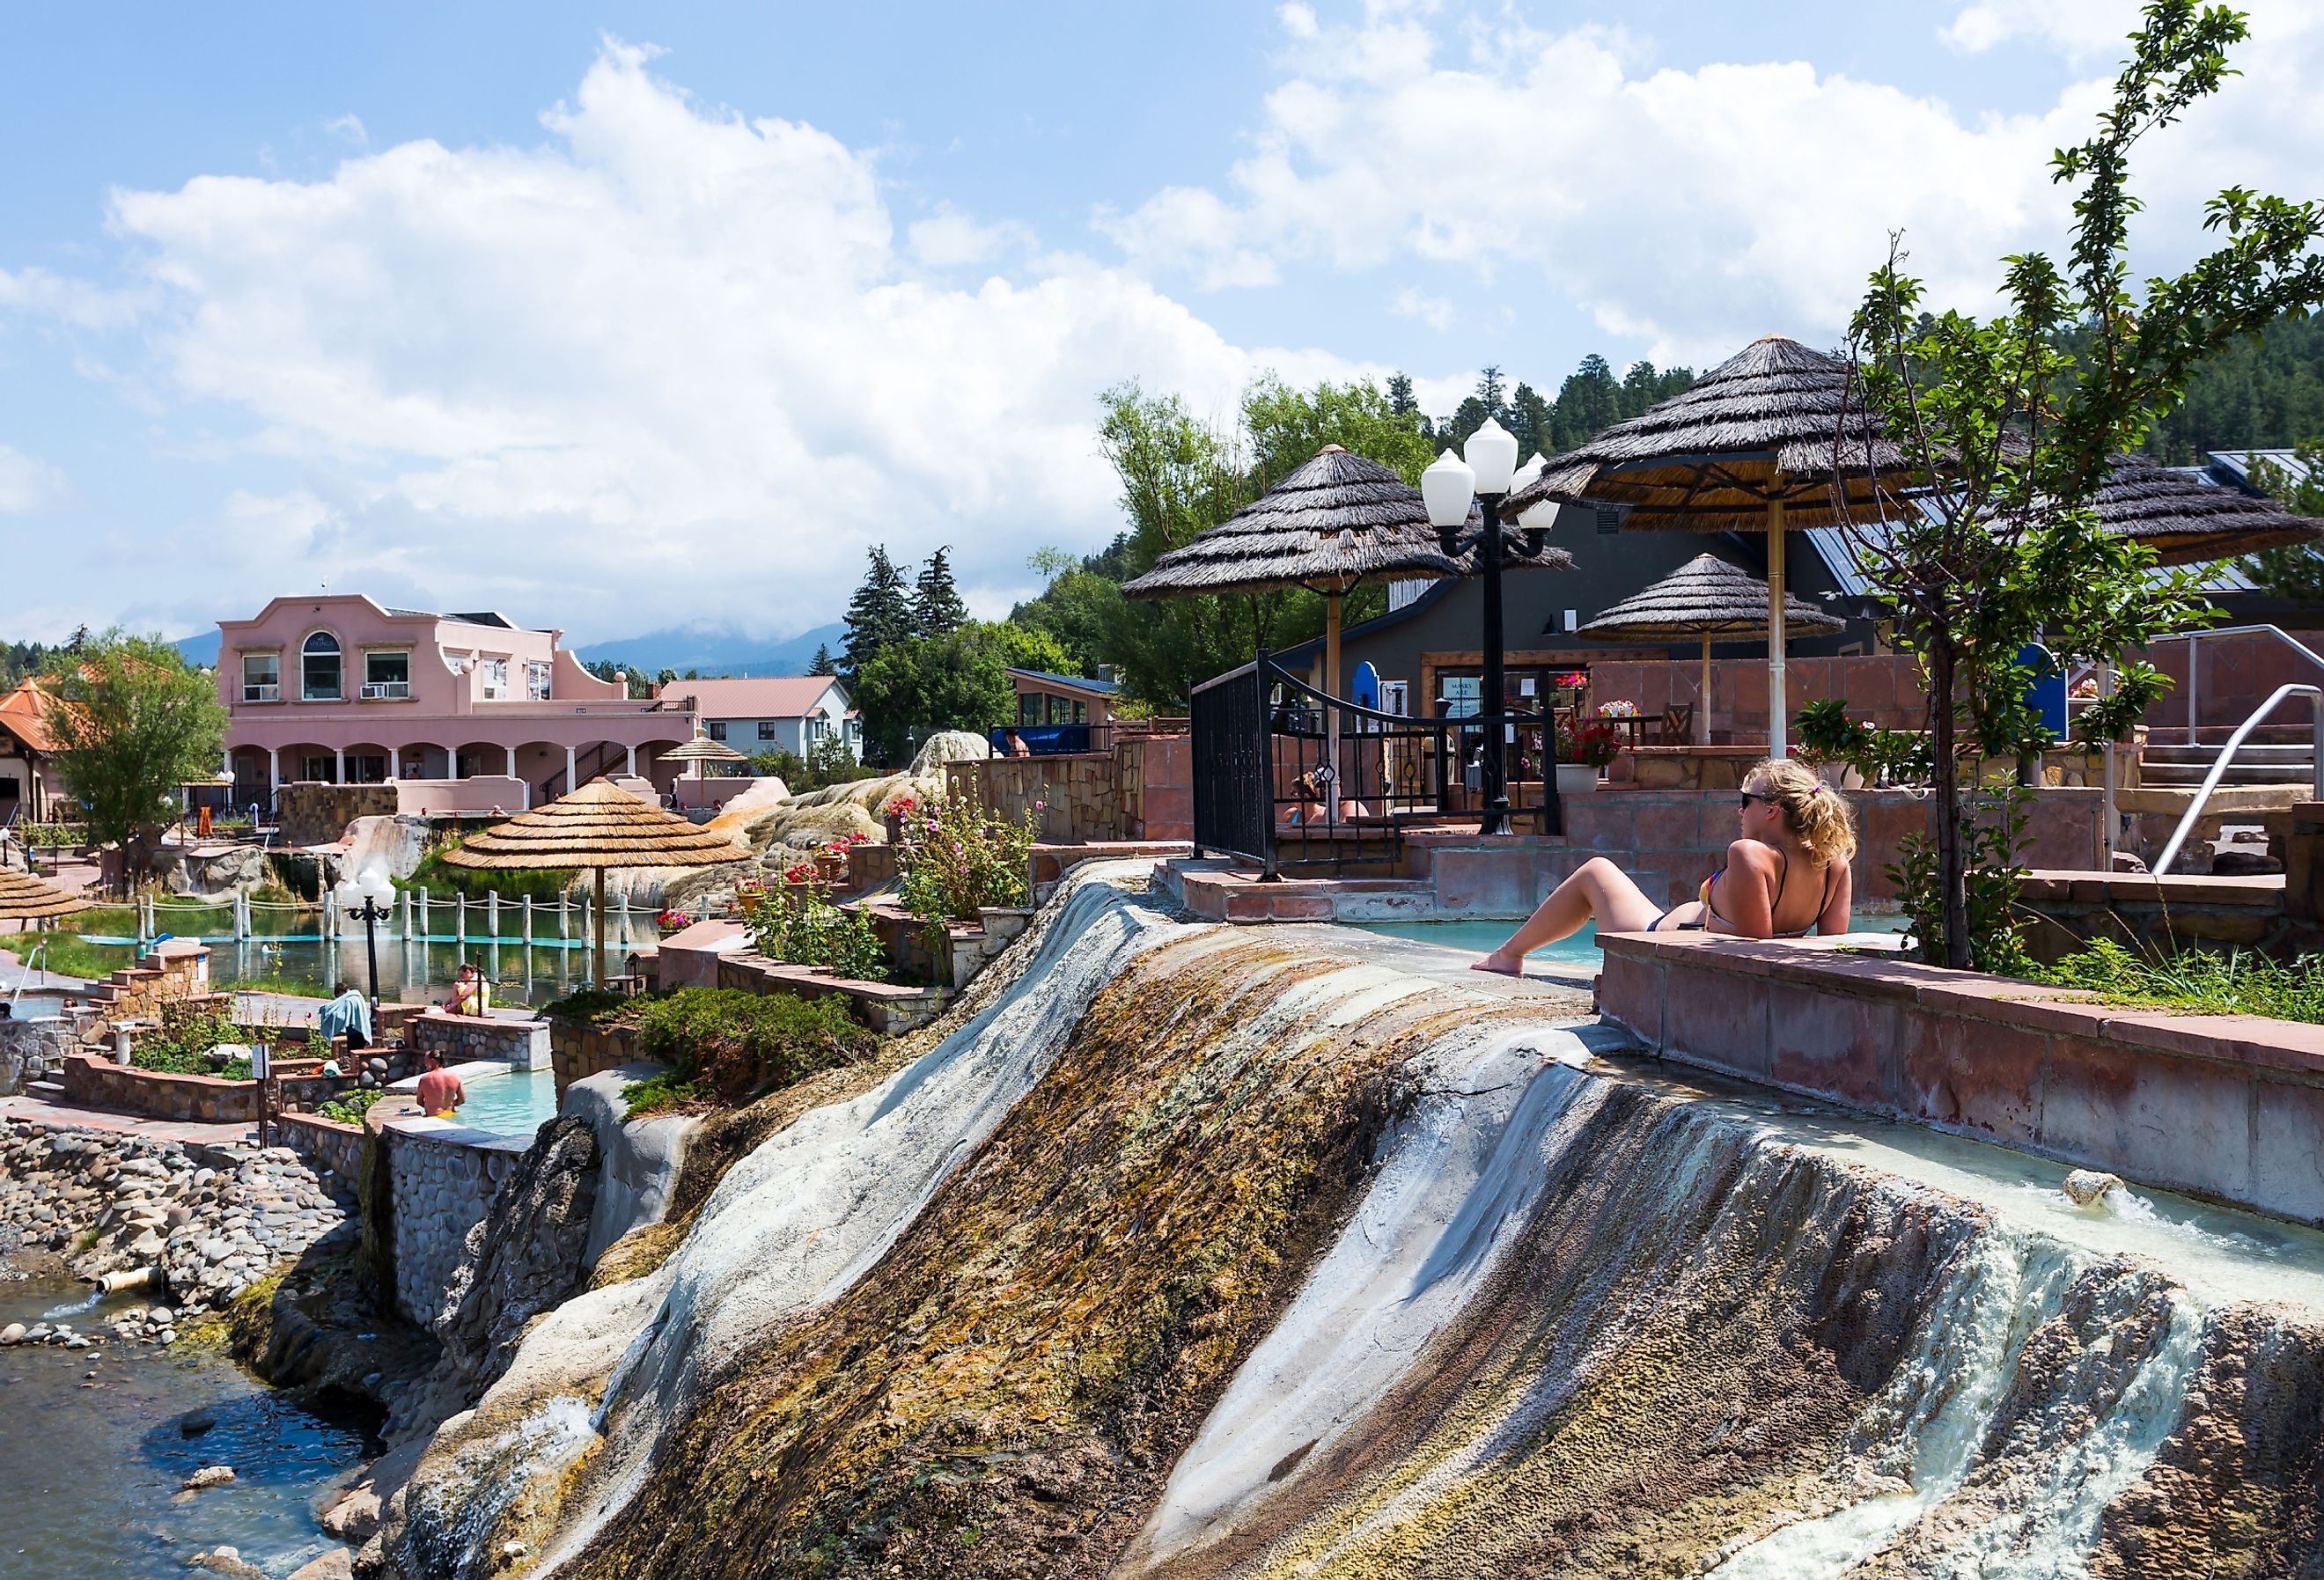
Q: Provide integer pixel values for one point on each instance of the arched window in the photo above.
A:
(318, 668)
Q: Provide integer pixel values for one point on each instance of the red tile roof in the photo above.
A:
(21, 712)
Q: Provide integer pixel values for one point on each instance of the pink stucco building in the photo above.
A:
(333, 687)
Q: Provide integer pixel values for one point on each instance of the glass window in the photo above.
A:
(318, 674)
(766, 729)
(716, 729)
(1456, 695)
(536, 679)
(318, 770)
(262, 676)
(496, 680)
(387, 675)
(818, 726)
(1028, 709)
(1081, 713)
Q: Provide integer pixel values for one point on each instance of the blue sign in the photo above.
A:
(2046, 691)
(1367, 686)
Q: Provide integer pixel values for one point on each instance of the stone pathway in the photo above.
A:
(37, 1111)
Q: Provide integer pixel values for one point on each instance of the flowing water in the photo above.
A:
(91, 1473)
(1557, 1315)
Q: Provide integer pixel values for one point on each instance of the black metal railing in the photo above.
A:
(1286, 776)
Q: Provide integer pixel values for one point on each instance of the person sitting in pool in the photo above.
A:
(1786, 876)
(440, 1091)
(1309, 809)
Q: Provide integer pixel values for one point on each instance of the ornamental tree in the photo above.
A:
(132, 721)
(2007, 435)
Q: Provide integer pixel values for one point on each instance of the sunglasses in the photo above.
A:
(1743, 802)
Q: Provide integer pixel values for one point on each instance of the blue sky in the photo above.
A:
(625, 316)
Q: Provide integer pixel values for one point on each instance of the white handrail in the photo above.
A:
(2192, 638)
(2315, 696)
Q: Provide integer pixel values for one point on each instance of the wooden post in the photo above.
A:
(528, 931)
(1331, 715)
(597, 960)
(1778, 713)
(460, 919)
(1702, 704)
(493, 912)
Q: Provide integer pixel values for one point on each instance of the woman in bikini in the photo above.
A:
(1786, 876)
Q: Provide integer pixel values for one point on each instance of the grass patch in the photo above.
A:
(2198, 979)
(665, 1093)
(438, 876)
(68, 955)
(349, 1107)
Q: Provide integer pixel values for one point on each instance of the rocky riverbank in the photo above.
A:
(207, 1221)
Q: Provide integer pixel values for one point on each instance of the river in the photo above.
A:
(92, 1468)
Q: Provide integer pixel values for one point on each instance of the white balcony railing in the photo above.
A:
(256, 693)
(386, 690)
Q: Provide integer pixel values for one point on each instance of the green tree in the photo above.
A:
(880, 614)
(132, 721)
(2010, 434)
(1081, 607)
(956, 681)
(1284, 429)
(2262, 392)
(824, 664)
(936, 608)
(2297, 569)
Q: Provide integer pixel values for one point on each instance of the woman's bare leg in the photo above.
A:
(1598, 891)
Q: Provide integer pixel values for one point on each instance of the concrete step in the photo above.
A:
(2249, 751)
(2186, 775)
(46, 1091)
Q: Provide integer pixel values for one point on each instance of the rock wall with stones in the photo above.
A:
(442, 1184)
(214, 1219)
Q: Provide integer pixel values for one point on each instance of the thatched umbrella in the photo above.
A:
(1706, 599)
(1752, 447)
(700, 750)
(2185, 520)
(26, 899)
(597, 826)
(1333, 524)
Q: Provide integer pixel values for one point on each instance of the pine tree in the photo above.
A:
(824, 664)
(936, 608)
(879, 615)
(1400, 400)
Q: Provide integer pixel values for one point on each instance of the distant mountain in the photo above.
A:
(201, 650)
(712, 652)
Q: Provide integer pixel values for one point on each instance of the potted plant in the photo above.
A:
(1582, 755)
(1828, 741)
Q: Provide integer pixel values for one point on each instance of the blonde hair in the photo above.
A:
(1812, 810)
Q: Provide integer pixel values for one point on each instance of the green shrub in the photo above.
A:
(955, 858)
(739, 1044)
(2234, 983)
(664, 1094)
(799, 923)
(181, 1045)
(349, 1107)
(593, 1005)
(440, 877)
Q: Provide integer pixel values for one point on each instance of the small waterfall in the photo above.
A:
(1207, 1251)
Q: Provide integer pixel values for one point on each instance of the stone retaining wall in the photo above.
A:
(336, 1147)
(2229, 1107)
(30, 1049)
(1143, 788)
(314, 813)
(887, 1007)
(577, 1050)
(441, 1180)
(2150, 913)
(520, 1045)
(96, 1083)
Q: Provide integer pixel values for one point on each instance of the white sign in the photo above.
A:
(1525, 687)
(259, 1054)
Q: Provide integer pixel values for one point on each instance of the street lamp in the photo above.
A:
(366, 900)
(1484, 472)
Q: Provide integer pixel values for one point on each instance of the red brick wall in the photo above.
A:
(1881, 687)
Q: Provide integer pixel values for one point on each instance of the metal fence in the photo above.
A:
(1286, 776)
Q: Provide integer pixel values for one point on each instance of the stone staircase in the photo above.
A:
(2257, 763)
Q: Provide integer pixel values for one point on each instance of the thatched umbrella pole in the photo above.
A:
(1778, 716)
(597, 960)
(1703, 707)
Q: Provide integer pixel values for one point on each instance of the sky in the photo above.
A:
(620, 316)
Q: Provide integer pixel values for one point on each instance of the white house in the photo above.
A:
(787, 713)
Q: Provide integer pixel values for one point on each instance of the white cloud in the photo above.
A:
(671, 364)
(1693, 209)
(1432, 310)
(28, 483)
(350, 128)
(2077, 28)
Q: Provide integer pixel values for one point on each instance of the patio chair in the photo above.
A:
(1678, 724)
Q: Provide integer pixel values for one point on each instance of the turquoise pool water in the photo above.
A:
(514, 1104)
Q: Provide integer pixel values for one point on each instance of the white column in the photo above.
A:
(338, 765)
(511, 757)
(632, 768)
(273, 771)
(572, 771)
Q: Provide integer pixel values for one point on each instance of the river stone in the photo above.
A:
(14, 1334)
(210, 1475)
(2087, 1187)
(336, 1564)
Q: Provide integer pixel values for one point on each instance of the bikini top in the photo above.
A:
(1776, 904)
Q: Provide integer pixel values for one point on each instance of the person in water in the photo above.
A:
(1786, 876)
(440, 1091)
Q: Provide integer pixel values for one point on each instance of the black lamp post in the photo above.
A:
(367, 900)
(1483, 472)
